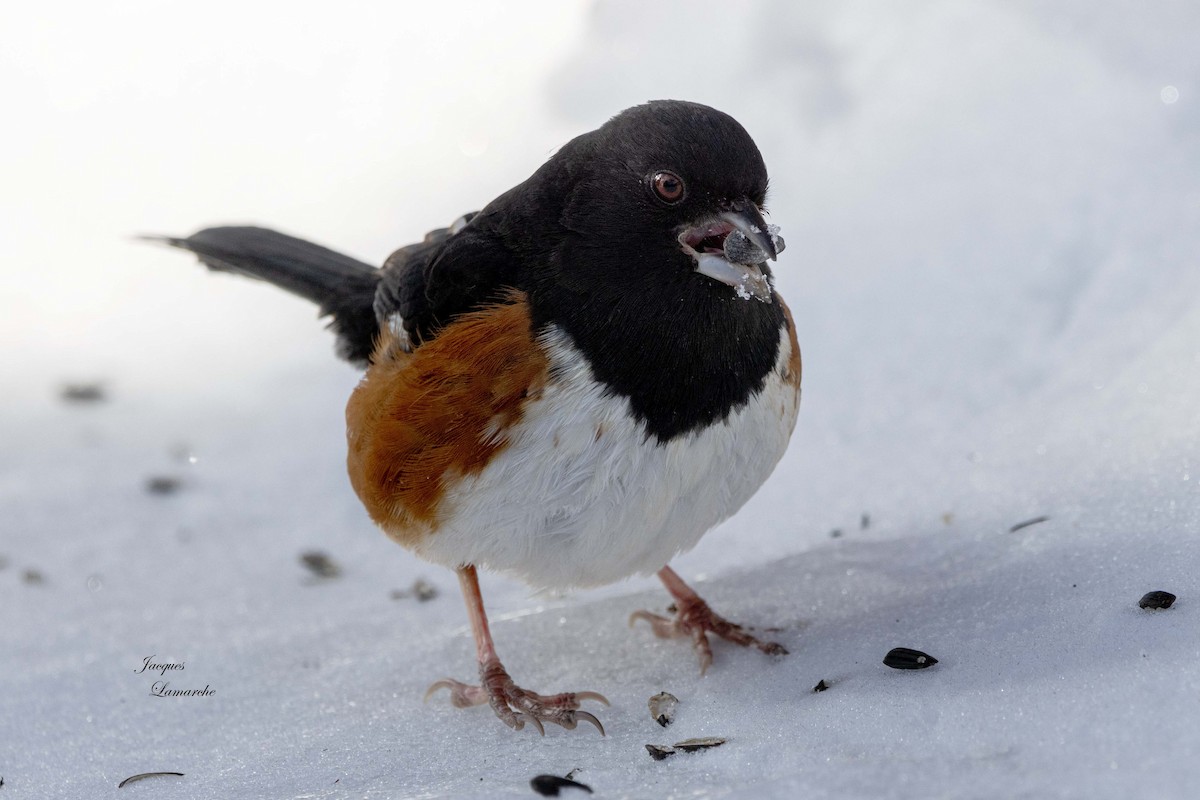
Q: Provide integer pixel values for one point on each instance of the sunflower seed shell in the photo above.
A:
(906, 658)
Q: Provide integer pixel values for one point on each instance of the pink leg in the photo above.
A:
(694, 618)
(512, 704)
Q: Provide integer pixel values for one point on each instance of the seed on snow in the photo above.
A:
(905, 658)
(551, 785)
(659, 751)
(703, 743)
(662, 708)
(1156, 600)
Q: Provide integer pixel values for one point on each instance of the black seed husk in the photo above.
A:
(320, 564)
(659, 751)
(550, 785)
(692, 745)
(163, 484)
(905, 658)
(83, 393)
(1027, 523)
(1158, 599)
(143, 776)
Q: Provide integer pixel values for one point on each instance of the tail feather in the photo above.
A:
(342, 287)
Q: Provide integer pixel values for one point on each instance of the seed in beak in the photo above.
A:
(740, 250)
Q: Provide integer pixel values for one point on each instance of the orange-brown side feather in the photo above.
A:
(420, 420)
(792, 372)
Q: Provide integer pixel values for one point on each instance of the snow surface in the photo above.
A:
(993, 212)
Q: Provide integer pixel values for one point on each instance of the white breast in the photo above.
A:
(582, 497)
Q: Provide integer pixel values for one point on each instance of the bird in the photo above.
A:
(571, 385)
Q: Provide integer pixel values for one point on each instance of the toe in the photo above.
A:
(461, 695)
(663, 628)
(773, 648)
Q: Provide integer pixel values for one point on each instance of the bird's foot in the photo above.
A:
(516, 706)
(694, 618)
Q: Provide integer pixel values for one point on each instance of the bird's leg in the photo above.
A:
(695, 619)
(512, 704)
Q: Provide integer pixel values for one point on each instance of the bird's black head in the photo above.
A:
(620, 242)
(655, 191)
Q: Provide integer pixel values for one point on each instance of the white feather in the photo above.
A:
(581, 496)
(395, 325)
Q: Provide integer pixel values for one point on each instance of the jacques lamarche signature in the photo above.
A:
(163, 688)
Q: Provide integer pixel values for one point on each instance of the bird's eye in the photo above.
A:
(668, 186)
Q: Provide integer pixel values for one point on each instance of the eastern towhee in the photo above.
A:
(572, 385)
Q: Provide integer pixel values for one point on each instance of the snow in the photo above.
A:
(994, 223)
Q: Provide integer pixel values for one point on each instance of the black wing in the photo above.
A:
(421, 287)
(453, 271)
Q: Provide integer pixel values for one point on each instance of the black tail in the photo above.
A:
(342, 287)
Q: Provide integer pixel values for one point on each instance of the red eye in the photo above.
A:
(668, 186)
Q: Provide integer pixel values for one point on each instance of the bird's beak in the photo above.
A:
(734, 263)
(745, 216)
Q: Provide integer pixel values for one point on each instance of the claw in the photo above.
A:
(589, 718)
(581, 696)
(521, 718)
(703, 650)
(444, 683)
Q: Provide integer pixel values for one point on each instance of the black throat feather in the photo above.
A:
(685, 357)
